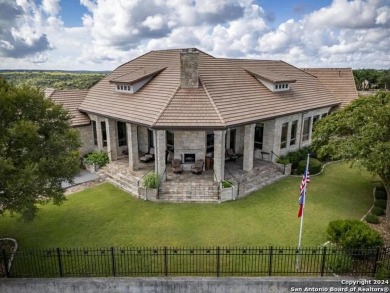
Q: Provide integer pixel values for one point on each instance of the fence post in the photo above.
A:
(5, 260)
(165, 261)
(270, 261)
(113, 268)
(218, 259)
(378, 252)
(323, 261)
(59, 262)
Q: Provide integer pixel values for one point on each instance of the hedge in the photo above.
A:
(314, 166)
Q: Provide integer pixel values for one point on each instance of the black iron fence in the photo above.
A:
(185, 261)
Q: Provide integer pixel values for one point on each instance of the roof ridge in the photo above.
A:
(166, 105)
(212, 101)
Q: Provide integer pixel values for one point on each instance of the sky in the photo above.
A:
(103, 34)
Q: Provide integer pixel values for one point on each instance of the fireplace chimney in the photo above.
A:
(189, 68)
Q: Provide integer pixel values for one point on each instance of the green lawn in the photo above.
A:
(106, 216)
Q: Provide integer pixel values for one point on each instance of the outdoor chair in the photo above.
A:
(177, 166)
(198, 167)
(147, 157)
(230, 153)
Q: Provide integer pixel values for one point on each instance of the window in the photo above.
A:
(104, 133)
(324, 115)
(233, 139)
(315, 120)
(259, 132)
(293, 132)
(210, 142)
(283, 137)
(94, 133)
(170, 141)
(122, 134)
(306, 128)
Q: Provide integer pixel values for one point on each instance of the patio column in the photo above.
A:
(112, 139)
(219, 155)
(132, 145)
(99, 135)
(249, 137)
(160, 150)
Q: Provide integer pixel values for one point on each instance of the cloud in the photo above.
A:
(20, 33)
(345, 33)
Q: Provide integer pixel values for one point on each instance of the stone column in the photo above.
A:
(99, 134)
(249, 138)
(112, 139)
(219, 155)
(160, 148)
(132, 145)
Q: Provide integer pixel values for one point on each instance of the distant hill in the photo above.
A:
(57, 79)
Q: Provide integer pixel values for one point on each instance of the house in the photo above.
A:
(188, 105)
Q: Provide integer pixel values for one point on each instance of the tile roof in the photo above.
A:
(71, 100)
(268, 75)
(339, 81)
(227, 95)
(138, 74)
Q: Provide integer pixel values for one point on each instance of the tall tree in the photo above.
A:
(38, 150)
(360, 133)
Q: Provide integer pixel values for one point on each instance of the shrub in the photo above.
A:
(377, 211)
(341, 263)
(97, 158)
(151, 181)
(372, 219)
(353, 234)
(314, 166)
(380, 194)
(383, 272)
(381, 203)
(226, 184)
(283, 160)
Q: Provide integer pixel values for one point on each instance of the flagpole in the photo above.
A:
(303, 212)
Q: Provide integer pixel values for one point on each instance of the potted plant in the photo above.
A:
(94, 160)
(150, 184)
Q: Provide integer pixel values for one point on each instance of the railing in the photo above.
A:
(195, 261)
(159, 182)
(238, 181)
(284, 165)
(144, 176)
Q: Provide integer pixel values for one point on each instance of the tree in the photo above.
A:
(361, 133)
(38, 150)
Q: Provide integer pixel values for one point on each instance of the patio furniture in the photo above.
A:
(198, 167)
(230, 153)
(177, 166)
(147, 157)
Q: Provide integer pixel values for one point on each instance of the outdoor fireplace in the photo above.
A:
(189, 158)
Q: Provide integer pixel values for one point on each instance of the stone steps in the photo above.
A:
(188, 192)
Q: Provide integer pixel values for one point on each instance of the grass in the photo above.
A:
(106, 216)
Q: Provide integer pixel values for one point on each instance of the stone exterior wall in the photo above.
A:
(86, 136)
(143, 143)
(299, 143)
(239, 143)
(190, 142)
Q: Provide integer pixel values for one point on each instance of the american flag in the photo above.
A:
(304, 182)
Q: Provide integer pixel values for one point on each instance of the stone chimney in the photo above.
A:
(189, 77)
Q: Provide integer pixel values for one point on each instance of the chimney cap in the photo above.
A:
(189, 50)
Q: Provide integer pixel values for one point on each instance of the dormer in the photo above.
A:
(273, 81)
(135, 80)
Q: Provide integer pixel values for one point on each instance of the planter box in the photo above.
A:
(147, 193)
(228, 193)
(285, 169)
(91, 167)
